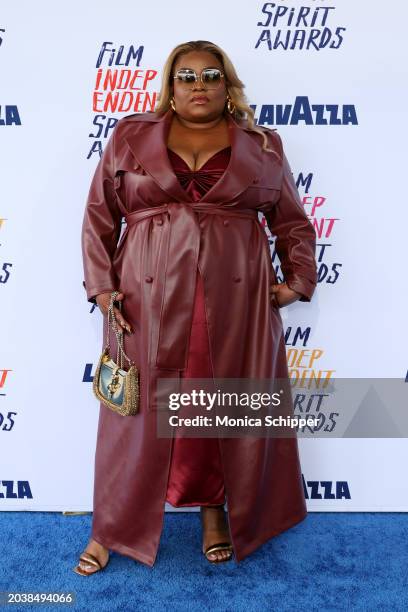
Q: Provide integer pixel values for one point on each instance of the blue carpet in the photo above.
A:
(330, 561)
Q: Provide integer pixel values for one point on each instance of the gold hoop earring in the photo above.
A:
(230, 105)
(172, 104)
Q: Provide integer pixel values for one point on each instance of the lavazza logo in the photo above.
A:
(326, 489)
(303, 111)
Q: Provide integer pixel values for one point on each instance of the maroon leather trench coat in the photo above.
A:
(154, 264)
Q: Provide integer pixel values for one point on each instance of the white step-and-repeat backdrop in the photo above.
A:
(330, 76)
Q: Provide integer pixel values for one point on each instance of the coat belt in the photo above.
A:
(174, 277)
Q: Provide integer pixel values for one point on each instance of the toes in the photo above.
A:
(88, 567)
(219, 555)
(84, 568)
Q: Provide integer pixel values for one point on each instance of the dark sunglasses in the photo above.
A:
(210, 77)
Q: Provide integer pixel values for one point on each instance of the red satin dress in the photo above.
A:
(196, 476)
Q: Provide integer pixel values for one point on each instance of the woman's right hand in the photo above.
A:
(103, 300)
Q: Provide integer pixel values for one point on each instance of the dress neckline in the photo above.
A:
(203, 166)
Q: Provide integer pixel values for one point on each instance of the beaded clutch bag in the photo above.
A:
(117, 388)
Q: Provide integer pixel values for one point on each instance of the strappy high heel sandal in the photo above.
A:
(227, 546)
(216, 547)
(89, 560)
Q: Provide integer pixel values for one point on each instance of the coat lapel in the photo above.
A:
(148, 145)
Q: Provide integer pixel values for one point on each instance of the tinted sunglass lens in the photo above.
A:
(185, 76)
(211, 77)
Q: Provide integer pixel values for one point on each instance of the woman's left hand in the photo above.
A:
(281, 295)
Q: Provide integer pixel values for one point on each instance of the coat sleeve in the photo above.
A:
(101, 226)
(295, 241)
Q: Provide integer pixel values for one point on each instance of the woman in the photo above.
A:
(199, 299)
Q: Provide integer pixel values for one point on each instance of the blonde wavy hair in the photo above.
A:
(234, 85)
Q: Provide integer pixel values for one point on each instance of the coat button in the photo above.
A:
(148, 279)
(159, 221)
(226, 222)
(237, 279)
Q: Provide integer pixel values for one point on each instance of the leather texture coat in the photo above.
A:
(154, 262)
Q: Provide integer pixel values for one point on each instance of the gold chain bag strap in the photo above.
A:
(117, 388)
